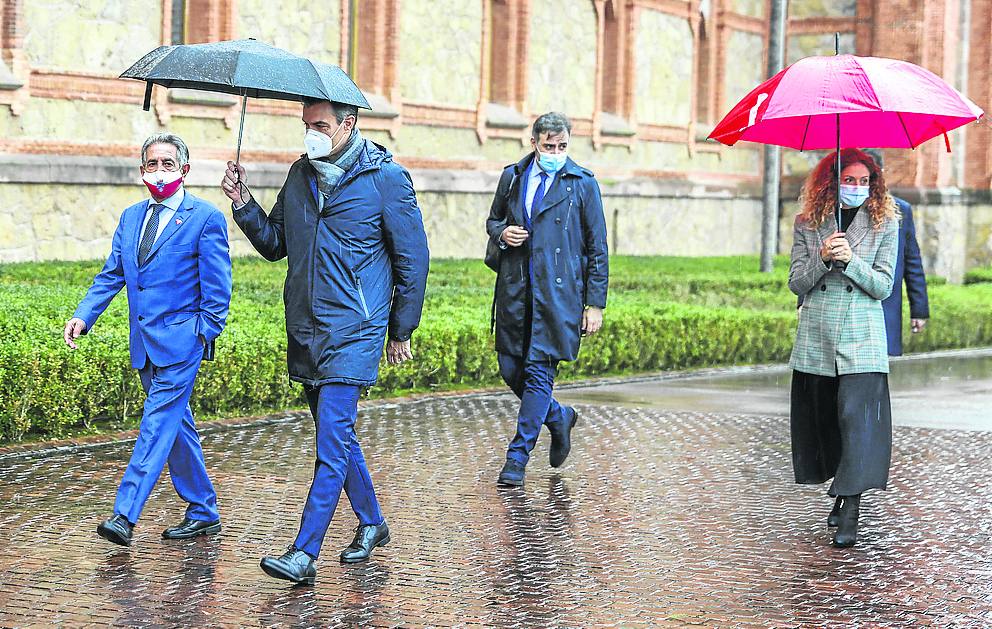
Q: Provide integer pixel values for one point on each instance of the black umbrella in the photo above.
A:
(247, 68)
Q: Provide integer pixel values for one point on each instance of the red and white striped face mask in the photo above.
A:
(162, 184)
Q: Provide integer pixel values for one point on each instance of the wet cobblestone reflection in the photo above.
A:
(659, 518)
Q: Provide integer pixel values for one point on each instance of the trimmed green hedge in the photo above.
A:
(979, 275)
(664, 313)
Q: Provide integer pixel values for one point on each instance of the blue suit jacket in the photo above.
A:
(181, 293)
(909, 268)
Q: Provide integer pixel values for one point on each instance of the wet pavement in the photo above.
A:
(676, 508)
(950, 389)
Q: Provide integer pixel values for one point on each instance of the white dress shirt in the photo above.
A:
(171, 205)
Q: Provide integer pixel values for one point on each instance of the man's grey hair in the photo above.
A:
(341, 110)
(182, 153)
(551, 123)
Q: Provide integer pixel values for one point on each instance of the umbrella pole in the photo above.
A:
(241, 129)
(837, 209)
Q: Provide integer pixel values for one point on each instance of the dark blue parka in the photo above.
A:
(569, 258)
(356, 266)
(909, 269)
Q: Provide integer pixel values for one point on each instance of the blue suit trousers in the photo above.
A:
(339, 464)
(168, 434)
(533, 383)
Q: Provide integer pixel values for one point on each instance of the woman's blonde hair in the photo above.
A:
(818, 199)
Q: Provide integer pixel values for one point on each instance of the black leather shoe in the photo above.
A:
(294, 565)
(512, 474)
(116, 529)
(191, 528)
(561, 438)
(847, 523)
(367, 537)
(834, 516)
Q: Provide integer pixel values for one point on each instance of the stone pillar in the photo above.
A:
(942, 231)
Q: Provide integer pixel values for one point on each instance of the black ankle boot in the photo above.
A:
(847, 523)
(834, 516)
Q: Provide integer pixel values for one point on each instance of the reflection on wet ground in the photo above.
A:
(661, 517)
(945, 390)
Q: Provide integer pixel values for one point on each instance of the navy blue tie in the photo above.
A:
(151, 231)
(535, 204)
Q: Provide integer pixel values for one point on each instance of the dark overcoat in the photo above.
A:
(909, 269)
(567, 254)
(357, 265)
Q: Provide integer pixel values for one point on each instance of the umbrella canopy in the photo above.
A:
(247, 68)
(877, 102)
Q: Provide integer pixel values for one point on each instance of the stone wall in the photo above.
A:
(664, 69)
(643, 81)
(89, 36)
(38, 220)
(311, 28)
(562, 55)
(459, 58)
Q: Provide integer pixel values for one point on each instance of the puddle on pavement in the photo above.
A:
(952, 391)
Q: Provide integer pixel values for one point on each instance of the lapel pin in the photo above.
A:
(179, 221)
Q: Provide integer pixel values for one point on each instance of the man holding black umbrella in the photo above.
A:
(347, 219)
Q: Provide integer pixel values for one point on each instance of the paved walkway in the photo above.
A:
(668, 513)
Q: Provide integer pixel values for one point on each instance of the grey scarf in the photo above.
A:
(329, 173)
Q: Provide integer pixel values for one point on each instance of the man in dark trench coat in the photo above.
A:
(347, 220)
(547, 222)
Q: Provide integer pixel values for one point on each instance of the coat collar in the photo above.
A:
(856, 231)
(371, 157)
(859, 227)
(558, 189)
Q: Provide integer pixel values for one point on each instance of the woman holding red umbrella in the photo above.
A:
(840, 416)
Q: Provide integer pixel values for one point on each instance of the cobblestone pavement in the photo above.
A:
(659, 518)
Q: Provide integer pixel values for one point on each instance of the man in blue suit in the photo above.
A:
(348, 221)
(171, 253)
(909, 269)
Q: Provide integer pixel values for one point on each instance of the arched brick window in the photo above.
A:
(201, 21)
(507, 53)
(617, 95)
(371, 28)
(705, 65)
(10, 43)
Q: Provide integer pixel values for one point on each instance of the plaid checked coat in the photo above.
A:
(841, 325)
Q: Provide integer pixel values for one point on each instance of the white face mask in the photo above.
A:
(319, 144)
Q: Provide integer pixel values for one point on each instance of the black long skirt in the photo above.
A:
(841, 429)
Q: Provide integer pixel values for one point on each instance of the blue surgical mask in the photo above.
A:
(551, 162)
(853, 196)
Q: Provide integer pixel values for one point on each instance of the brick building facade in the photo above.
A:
(454, 85)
